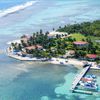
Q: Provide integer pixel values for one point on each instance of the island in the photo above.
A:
(77, 44)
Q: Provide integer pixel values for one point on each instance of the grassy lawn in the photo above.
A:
(78, 36)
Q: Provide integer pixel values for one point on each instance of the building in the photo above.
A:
(91, 56)
(60, 34)
(80, 43)
(39, 47)
(69, 54)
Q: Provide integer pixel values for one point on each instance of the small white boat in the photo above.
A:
(89, 85)
(92, 86)
(96, 67)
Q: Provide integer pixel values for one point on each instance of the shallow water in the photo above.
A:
(30, 81)
(37, 81)
(46, 14)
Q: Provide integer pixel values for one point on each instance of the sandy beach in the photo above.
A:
(61, 61)
(74, 62)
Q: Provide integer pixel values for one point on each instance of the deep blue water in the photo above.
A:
(29, 80)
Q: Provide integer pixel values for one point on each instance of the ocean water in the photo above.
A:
(4, 4)
(44, 14)
(34, 80)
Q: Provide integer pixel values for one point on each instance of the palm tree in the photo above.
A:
(19, 47)
(53, 29)
(41, 32)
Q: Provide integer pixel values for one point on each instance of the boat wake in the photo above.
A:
(16, 8)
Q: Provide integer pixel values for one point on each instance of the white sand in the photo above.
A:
(71, 61)
(75, 62)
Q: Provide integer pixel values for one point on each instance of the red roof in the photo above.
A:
(91, 56)
(34, 47)
(39, 46)
(80, 42)
(30, 47)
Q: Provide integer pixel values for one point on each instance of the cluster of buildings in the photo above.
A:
(82, 44)
(71, 53)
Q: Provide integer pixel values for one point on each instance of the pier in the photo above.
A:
(84, 92)
(78, 77)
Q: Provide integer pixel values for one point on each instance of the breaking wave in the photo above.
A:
(16, 8)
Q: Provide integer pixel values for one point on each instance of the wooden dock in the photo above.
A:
(78, 77)
(83, 92)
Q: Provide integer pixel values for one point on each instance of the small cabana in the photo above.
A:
(91, 56)
(39, 47)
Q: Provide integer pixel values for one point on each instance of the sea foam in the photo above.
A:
(16, 8)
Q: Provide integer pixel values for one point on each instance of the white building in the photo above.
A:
(53, 34)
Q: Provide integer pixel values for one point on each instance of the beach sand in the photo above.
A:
(74, 62)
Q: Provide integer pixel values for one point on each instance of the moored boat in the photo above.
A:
(88, 79)
(89, 85)
(92, 76)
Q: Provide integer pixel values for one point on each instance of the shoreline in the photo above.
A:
(58, 61)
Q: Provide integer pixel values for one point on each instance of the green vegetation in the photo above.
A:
(86, 28)
(55, 47)
(52, 47)
(86, 31)
(78, 37)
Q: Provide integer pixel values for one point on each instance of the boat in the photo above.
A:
(85, 65)
(89, 85)
(92, 86)
(88, 79)
(61, 63)
(92, 76)
(81, 83)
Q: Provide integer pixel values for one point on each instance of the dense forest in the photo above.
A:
(87, 28)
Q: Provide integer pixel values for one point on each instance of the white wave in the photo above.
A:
(16, 8)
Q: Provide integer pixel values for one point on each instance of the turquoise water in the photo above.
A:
(4, 4)
(46, 14)
(37, 81)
